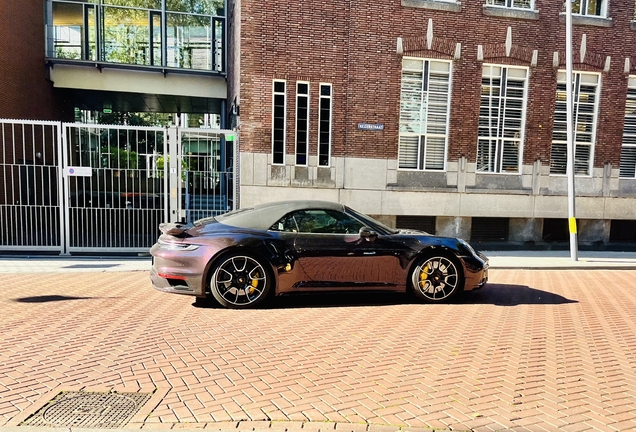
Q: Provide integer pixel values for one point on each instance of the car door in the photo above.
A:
(332, 252)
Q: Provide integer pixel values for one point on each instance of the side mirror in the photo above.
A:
(368, 234)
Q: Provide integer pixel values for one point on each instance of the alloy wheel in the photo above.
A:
(436, 279)
(240, 280)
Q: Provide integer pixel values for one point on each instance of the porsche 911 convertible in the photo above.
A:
(242, 257)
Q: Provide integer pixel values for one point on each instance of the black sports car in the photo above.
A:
(308, 246)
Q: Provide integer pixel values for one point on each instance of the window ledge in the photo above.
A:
(409, 188)
(500, 173)
(450, 6)
(504, 12)
(589, 20)
(476, 190)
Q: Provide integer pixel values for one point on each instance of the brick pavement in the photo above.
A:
(534, 350)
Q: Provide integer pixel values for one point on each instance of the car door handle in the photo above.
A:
(368, 253)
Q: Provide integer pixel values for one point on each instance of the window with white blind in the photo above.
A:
(279, 122)
(512, 4)
(585, 91)
(590, 7)
(628, 151)
(424, 114)
(501, 119)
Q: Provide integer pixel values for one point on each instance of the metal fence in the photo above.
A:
(74, 188)
(206, 182)
(30, 184)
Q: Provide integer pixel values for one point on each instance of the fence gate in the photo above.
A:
(115, 187)
(79, 188)
(204, 173)
(30, 186)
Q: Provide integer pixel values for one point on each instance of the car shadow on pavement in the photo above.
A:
(512, 295)
(49, 298)
(494, 294)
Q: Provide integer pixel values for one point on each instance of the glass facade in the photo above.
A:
(184, 34)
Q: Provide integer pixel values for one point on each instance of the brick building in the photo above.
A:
(25, 91)
(442, 115)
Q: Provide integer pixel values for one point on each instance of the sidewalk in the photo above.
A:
(561, 260)
(72, 264)
(547, 260)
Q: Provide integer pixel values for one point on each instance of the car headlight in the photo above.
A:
(178, 246)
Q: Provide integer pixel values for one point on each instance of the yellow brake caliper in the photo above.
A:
(423, 276)
(254, 284)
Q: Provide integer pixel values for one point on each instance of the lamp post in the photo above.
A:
(570, 130)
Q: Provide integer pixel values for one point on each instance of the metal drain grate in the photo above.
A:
(89, 410)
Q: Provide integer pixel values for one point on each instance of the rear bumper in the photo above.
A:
(170, 274)
(171, 285)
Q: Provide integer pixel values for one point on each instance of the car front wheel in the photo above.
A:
(436, 279)
(240, 281)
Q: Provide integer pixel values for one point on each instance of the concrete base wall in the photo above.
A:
(376, 187)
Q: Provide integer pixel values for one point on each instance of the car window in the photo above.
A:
(285, 224)
(317, 221)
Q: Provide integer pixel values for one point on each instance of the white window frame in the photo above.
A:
(320, 99)
(628, 147)
(583, 5)
(306, 135)
(284, 95)
(421, 161)
(511, 4)
(500, 120)
(578, 144)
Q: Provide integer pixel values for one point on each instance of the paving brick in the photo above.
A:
(514, 364)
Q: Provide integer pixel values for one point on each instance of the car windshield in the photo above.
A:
(370, 221)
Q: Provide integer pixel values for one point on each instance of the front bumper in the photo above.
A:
(476, 272)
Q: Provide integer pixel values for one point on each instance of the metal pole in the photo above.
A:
(570, 130)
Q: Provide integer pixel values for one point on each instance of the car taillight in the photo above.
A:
(178, 246)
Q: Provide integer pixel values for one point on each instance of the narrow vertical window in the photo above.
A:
(424, 114)
(302, 122)
(585, 88)
(501, 119)
(324, 125)
(628, 151)
(279, 120)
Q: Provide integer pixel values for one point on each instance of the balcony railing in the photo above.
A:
(163, 33)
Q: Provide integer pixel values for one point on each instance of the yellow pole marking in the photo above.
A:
(572, 225)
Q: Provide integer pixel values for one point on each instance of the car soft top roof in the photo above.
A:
(263, 216)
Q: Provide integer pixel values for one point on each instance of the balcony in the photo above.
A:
(184, 36)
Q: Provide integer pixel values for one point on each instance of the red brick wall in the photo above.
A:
(294, 41)
(25, 92)
(352, 44)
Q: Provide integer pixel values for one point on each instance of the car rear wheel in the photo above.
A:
(240, 281)
(437, 278)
